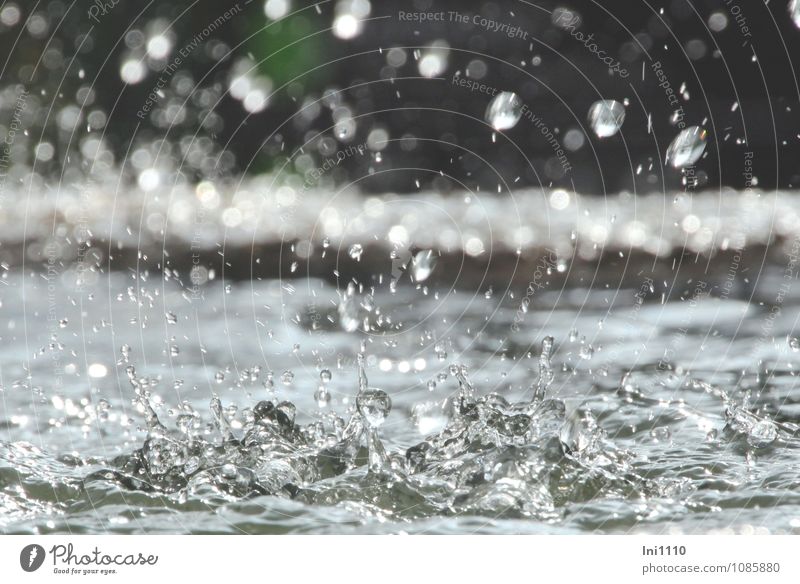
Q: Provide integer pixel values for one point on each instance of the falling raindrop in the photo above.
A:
(276, 9)
(355, 251)
(794, 12)
(423, 264)
(504, 111)
(606, 117)
(322, 397)
(349, 312)
(269, 382)
(687, 147)
(433, 61)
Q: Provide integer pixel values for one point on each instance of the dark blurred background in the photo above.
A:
(289, 80)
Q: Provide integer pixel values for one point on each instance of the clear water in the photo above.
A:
(687, 147)
(606, 117)
(506, 360)
(504, 111)
(132, 407)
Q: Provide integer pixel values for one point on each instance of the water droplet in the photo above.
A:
(374, 405)
(191, 466)
(269, 382)
(345, 128)
(63, 323)
(287, 377)
(322, 397)
(504, 111)
(102, 409)
(794, 12)
(606, 117)
(762, 434)
(171, 318)
(794, 343)
(361, 358)
(578, 432)
(97, 370)
(325, 376)
(687, 147)
(661, 434)
(277, 9)
(349, 313)
(220, 419)
(546, 374)
(433, 61)
(355, 251)
(423, 264)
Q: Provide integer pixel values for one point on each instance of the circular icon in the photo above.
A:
(31, 557)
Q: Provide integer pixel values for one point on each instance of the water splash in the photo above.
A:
(486, 455)
(546, 374)
(278, 456)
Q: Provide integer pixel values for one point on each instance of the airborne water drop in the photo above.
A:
(504, 111)
(606, 117)
(687, 147)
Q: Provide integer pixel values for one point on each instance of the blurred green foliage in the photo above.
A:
(288, 49)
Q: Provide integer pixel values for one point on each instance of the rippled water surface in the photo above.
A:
(133, 405)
